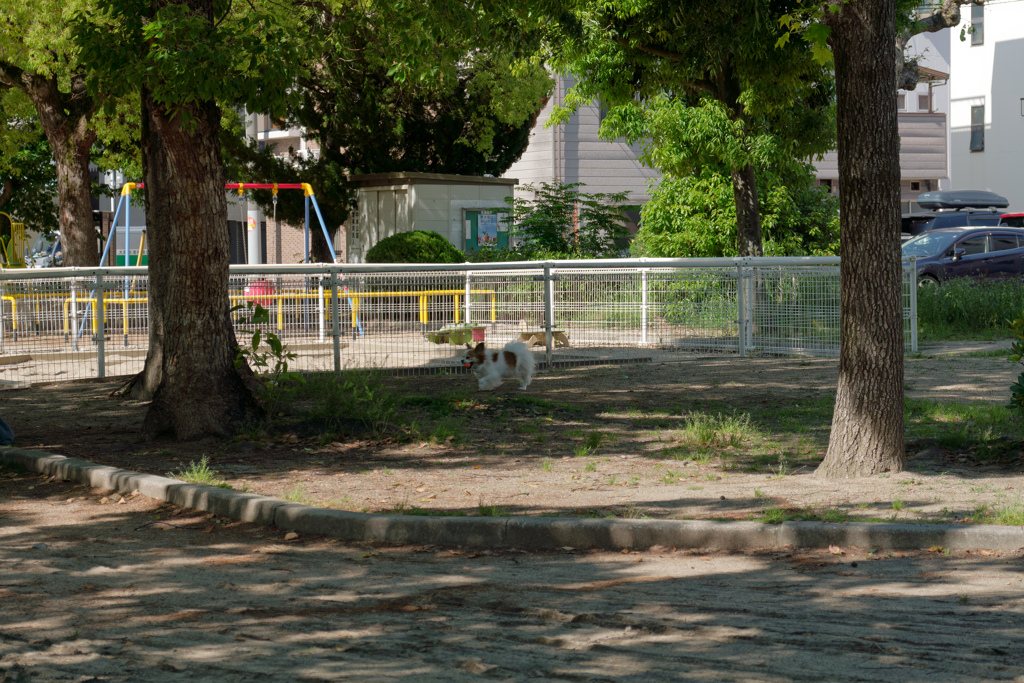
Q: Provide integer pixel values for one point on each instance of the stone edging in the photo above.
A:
(516, 532)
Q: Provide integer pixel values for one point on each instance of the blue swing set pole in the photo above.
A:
(330, 244)
(111, 239)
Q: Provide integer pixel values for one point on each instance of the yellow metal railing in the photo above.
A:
(279, 298)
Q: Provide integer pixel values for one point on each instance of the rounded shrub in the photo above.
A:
(418, 246)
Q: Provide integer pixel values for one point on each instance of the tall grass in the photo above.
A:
(964, 308)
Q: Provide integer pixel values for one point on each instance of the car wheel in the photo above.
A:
(927, 282)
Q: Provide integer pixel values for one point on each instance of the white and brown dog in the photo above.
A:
(515, 360)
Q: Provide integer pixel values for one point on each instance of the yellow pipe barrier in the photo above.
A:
(279, 298)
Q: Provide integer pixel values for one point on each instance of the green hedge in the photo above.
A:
(418, 246)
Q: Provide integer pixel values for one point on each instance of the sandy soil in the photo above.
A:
(103, 587)
(96, 589)
(459, 451)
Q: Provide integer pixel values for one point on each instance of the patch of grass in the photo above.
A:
(581, 451)
(758, 493)
(296, 494)
(449, 429)
(591, 466)
(897, 504)
(672, 477)
(593, 440)
(492, 510)
(964, 308)
(545, 464)
(361, 395)
(987, 431)
(200, 473)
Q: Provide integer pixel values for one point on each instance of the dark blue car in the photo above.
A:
(946, 253)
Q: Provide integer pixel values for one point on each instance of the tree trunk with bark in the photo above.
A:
(748, 213)
(867, 426)
(66, 126)
(190, 371)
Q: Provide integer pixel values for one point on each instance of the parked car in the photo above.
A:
(950, 209)
(946, 253)
(46, 252)
(1014, 220)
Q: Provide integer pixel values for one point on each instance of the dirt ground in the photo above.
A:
(102, 587)
(98, 589)
(594, 441)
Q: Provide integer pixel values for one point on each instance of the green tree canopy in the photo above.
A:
(470, 112)
(712, 68)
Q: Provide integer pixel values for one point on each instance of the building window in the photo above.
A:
(353, 223)
(978, 128)
(915, 186)
(901, 102)
(978, 25)
(924, 102)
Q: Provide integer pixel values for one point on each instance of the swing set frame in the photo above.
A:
(125, 203)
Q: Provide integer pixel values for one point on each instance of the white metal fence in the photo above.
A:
(416, 318)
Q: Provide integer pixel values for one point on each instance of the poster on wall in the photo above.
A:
(487, 229)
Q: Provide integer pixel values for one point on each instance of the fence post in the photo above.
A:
(643, 305)
(336, 321)
(101, 331)
(466, 303)
(549, 311)
(741, 309)
(913, 304)
(320, 307)
(74, 316)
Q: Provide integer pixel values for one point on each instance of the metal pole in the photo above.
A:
(549, 311)
(913, 304)
(643, 306)
(468, 276)
(305, 235)
(741, 310)
(101, 331)
(74, 314)
(336, 321)
(320, 305)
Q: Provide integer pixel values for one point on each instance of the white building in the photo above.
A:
(987, 101)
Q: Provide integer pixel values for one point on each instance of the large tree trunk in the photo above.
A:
(68, 131)
(748, 213)
(198, 391)
(867, 427)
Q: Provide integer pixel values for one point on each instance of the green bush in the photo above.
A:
(418, 246)
(964, 308)
(1017, 356)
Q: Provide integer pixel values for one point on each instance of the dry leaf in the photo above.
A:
(122, 501)
(478, 467)
(291, 536)
(420, 490)
(209, 529)
(987, 553)
(836, 550)
(935, 549)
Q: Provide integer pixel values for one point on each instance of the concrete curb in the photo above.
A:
(516, 532)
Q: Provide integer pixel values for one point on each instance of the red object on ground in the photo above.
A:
(260, 288)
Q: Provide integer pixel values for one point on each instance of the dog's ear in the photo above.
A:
(469, 346)
(480, 346)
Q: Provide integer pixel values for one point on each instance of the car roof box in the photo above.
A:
(962, 199)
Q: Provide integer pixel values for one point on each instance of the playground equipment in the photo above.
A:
(12, 242)
(125, 204)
